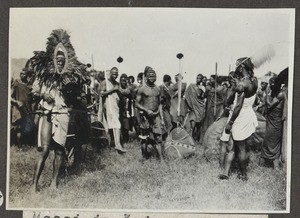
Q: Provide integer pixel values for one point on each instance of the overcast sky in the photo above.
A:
(153, 37)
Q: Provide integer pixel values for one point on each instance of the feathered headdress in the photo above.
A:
(44, 64)
(257, 59)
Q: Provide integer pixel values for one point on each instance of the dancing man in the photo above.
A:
(242, 122)
(59, 78)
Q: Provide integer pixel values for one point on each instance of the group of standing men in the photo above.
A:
(156, 110)
(58, 86)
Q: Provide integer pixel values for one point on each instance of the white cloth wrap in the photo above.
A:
(112, 108)
(246, 122)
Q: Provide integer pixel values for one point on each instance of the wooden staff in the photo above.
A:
(215, 101)
(179, 56)
(92, 61)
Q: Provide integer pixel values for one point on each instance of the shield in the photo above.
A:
(179, 144)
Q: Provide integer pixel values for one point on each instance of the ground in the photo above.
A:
(112, 181)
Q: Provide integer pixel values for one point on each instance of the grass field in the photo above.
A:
(112, 181)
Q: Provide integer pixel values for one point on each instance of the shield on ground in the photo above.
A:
(179, 144)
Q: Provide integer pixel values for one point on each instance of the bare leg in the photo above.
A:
(45, 139)
(125, 135)
(18, 139)
(144, 148)
(243, 158)
(136, 126)
(223, 149)
(159, 146)
(277, 163)
(197, 131)
(117, 135)
(57, 162)
(112, 138)
(229, 157)
(40, 166)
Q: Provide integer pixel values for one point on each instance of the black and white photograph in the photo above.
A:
(177, 110)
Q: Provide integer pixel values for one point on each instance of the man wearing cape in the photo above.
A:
(59, 79)
(195, 99)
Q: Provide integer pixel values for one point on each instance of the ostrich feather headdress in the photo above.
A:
(257, 59)
(43, 64)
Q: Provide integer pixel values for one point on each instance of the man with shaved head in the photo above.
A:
(195, 99)
(109, 90)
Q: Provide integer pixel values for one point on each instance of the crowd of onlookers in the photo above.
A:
(201, 104)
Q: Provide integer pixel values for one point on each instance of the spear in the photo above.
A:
(93, 61)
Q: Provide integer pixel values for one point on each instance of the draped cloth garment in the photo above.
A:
(195, 103)
(112, 108)
(60, 117)
(246, 122)
(272, 144)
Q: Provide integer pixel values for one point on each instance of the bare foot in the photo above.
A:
(223, 177)
(120, 150)
(53, 186)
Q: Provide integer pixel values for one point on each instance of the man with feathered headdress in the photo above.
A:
(242, 121)
(59, 78)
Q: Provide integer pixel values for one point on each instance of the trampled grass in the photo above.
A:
(112, 181)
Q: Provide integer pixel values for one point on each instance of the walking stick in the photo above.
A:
(179, 56)
(215, 100)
